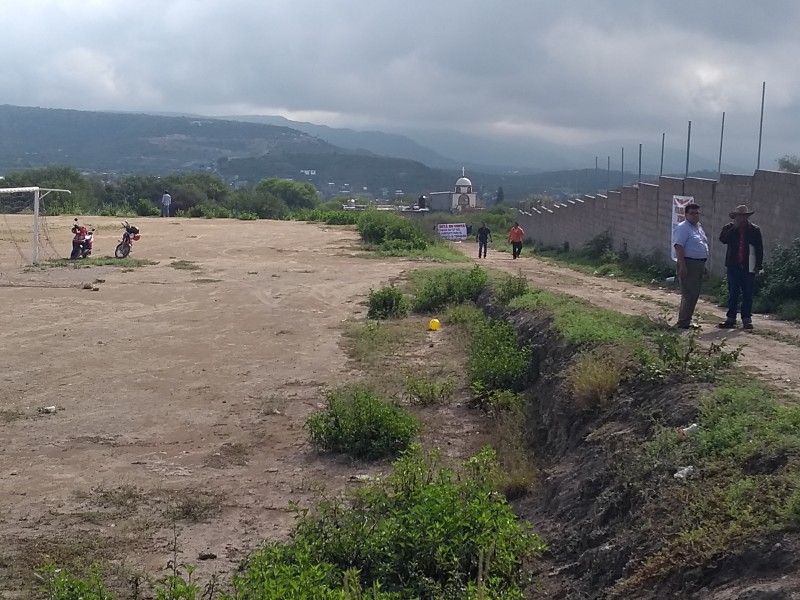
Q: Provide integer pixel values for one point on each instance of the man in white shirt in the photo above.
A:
(166, 201)
(691, 250)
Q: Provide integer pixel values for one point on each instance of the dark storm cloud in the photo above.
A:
(572, 72)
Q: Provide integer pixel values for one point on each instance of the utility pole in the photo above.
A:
(688, 145)
(761, 126)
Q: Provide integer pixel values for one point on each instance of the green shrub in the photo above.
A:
(426, 531)
(780, 284)
(361, 424)
(60, 585)
(496, 361)
(145, 208)
(391, 232)
(600, 247)
(247, 216)
(510, 287)
(441, 288)
(676, 356)
(386, 303)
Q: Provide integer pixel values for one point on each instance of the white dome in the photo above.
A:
(463, 181)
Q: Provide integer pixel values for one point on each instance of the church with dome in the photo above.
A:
(463, 197)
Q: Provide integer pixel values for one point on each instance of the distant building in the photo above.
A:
(462, 197)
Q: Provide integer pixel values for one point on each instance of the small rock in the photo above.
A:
(47, 410)
(87, 286)
(95, 289)
(13, 473)
(360, 477)
(99, 280)
(206, 556)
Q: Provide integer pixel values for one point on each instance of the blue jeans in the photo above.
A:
(482, 248)
(740, 283)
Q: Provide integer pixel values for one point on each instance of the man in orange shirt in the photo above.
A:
(515, 235)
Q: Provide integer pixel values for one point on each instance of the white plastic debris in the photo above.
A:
(47, 410)
(684, 473)
(689, 431)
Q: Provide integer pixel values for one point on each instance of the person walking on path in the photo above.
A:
(483, 237)
(743, 259)
(166, 201)
(691, 251)
(515, 235)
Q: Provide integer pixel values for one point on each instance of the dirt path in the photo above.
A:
(773, 352)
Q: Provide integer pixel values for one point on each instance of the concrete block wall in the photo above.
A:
(641, 217)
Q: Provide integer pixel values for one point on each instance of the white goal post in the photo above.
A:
(37, 195)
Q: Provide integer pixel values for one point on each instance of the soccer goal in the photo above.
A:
(20, 201)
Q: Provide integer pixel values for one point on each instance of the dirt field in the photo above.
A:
(175, 389)
(181, 393)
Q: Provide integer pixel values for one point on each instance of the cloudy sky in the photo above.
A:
(586, 74)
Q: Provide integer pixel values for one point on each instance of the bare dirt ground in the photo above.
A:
(771, 351)
(180, 394)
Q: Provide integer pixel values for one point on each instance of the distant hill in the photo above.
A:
(127, 143)
(137, 143)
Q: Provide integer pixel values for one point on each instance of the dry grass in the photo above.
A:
(595, 376)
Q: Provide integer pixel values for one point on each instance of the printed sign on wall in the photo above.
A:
(452, 231)
(678, 207)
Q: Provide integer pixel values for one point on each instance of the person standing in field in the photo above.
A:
(691, 251)
(515, 236)
(743, 259)
(483, 238)
(166, 202)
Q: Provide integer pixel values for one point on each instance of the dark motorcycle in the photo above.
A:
(130, 235)
(82, 240)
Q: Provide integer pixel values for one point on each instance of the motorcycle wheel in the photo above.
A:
(122, 250)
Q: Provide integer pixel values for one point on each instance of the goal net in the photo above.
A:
(24, 235)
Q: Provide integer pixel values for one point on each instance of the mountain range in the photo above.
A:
(249, 148)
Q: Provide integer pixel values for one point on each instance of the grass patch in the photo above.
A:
(423, 391)
(595, 375)
(578, 322)
(746, 457)
(105, 261)
(194, 505)
(373, 341)
(185, 265)
(361, 424)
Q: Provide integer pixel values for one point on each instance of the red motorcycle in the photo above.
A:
(82, 240)
(130, 235)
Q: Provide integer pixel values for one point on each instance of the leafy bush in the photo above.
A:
(324, 214)
(144, 207)
(683, 357)
(510, 287)
(386, 303)
(600, 246)
(780, 284)
(444, 287)
(496, 361)
(378, 228)
(360, 423)
(426, 531)
(246, 216)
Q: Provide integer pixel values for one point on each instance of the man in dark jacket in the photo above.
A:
(744, 258)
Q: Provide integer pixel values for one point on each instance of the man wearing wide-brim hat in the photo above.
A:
(743, 259)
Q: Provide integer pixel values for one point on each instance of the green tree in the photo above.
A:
(81, 200)
(789, 163)
(258, 201)
(501, 195)
(294, 194)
